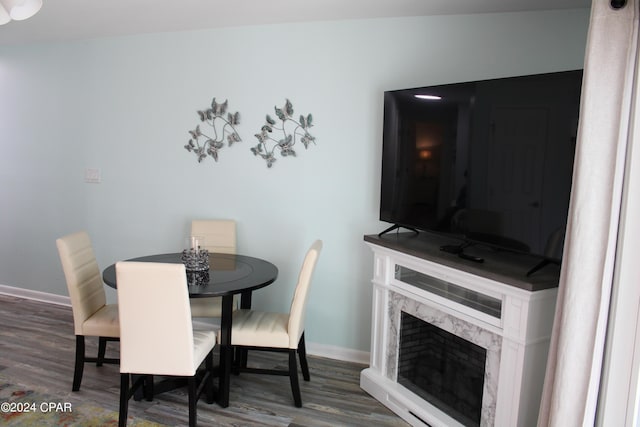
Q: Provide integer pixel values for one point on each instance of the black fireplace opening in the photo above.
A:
(442, 368)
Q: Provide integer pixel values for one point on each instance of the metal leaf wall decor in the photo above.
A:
(222, 128)
(290, 131)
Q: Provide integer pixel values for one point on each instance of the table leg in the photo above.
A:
(226, 351)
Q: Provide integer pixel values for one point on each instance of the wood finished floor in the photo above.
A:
(37, 350)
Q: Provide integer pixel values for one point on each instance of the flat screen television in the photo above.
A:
(488, 161)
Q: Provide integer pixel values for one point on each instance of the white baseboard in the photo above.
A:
(314, 349)
(35, 295)
(338, 353)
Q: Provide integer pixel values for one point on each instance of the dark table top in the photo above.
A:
(228, 274)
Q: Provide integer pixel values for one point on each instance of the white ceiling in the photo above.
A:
(62, 20)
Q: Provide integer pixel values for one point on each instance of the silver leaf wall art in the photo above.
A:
(281, 135)
(221, 128)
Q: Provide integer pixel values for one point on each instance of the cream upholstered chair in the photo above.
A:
(257, 330)
(92, 316)
(156, 334)
(219, 236)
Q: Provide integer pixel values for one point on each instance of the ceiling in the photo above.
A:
(64, 20)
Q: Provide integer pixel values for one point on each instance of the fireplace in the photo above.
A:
(444, 360)
(442, 368)
(454, 348)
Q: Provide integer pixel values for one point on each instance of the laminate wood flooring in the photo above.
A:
(37, 348)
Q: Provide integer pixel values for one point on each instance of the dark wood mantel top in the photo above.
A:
(501, 266)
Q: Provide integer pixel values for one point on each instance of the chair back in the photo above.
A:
(299, 303)
(156, 334)
(82, 274)
(219, 234)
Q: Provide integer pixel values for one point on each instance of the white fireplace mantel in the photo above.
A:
(515, 335)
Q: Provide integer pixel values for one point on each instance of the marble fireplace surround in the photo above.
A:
(515, 335)
(488, 340)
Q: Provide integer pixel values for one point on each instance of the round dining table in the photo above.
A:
(228, 275)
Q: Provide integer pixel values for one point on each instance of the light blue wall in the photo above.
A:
(124, 105)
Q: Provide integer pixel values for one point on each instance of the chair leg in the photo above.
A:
(235, 364)
(102, 348)
(209, 376)
(293, 378)
(243, 356)
(302, 352)
(240, 357)
(124, 400)
(148, 388)
(79, 366)
(192, 401)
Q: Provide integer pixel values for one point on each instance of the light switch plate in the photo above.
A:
(92, 175)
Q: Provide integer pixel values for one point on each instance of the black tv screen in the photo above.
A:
(488, 161)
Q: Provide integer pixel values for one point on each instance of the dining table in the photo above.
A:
(228, 275)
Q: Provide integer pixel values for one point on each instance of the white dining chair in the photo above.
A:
(156, 333)
(282, 332)
(219, 236)
(92, 316)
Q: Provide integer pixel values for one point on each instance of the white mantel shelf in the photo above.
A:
(516, 339)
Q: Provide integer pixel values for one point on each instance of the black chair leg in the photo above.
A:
(209, 376)
(124, 400)
(293, 378)
(302, 352)
(235, 364)
(79, 366)
(240, 357)
(243, 356)
(142, 387)
(147, 388)
(192, 401)
(102, 348)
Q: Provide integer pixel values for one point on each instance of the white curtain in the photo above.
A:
(570, 395)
